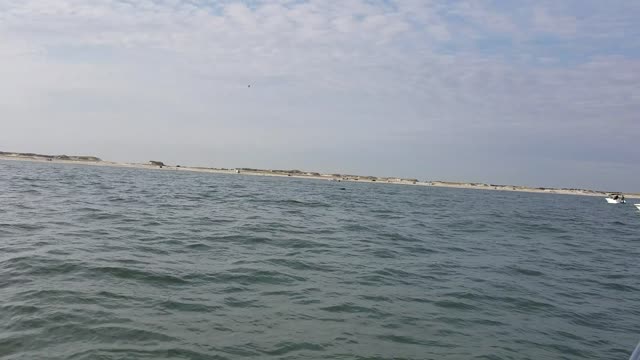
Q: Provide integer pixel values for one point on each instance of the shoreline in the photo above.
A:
(305, 175)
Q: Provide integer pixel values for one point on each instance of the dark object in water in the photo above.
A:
(343, 188)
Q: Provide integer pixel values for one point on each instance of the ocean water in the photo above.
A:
(116, 263)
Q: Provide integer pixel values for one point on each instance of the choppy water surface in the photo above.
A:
(113, 263)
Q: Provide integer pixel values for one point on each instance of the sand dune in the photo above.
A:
(159, 165)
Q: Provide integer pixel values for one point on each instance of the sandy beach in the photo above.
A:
(491, 187)
(94, 161)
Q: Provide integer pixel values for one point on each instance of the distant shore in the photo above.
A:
(158, 165)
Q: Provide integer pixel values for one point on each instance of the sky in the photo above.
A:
(528, 92)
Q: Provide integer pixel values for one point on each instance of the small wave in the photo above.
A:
(570, 336)
(36, 266)
(418, 250)
(456, 249)
(285, 348)
(238, 303)
(133, 274)
(594, 320)
(376, 280)
(398, 274)
(199, 246)
(19, 310)
(356, 228)
(487, 322)
(400, 339)
(300, 265)
(385, 253)
(617, 286)
(241, 239)
(375, 298)
(139, 352)
(190, 307)
(524, 271)
(526, 305)
(397, 237)
(455, 305)
(247, 276)
(616, 276)
(241, 350)
(24, 226)
(350, 308)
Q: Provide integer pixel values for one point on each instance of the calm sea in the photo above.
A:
(115, 263)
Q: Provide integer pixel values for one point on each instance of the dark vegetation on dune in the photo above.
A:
(51, 157)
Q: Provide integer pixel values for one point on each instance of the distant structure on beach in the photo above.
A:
(156, 163)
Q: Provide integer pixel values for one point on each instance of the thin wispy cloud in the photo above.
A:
(475, 83)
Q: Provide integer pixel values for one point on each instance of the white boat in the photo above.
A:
(637, 205)
(615, 201)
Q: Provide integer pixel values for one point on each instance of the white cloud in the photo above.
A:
(477, 14)
(562, 25)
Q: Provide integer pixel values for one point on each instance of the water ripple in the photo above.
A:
(108, 263)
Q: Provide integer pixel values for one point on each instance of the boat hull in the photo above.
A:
(614, 201)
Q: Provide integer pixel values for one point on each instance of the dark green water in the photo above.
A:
(111, 263)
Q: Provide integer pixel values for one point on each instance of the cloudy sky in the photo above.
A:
(542, 92)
